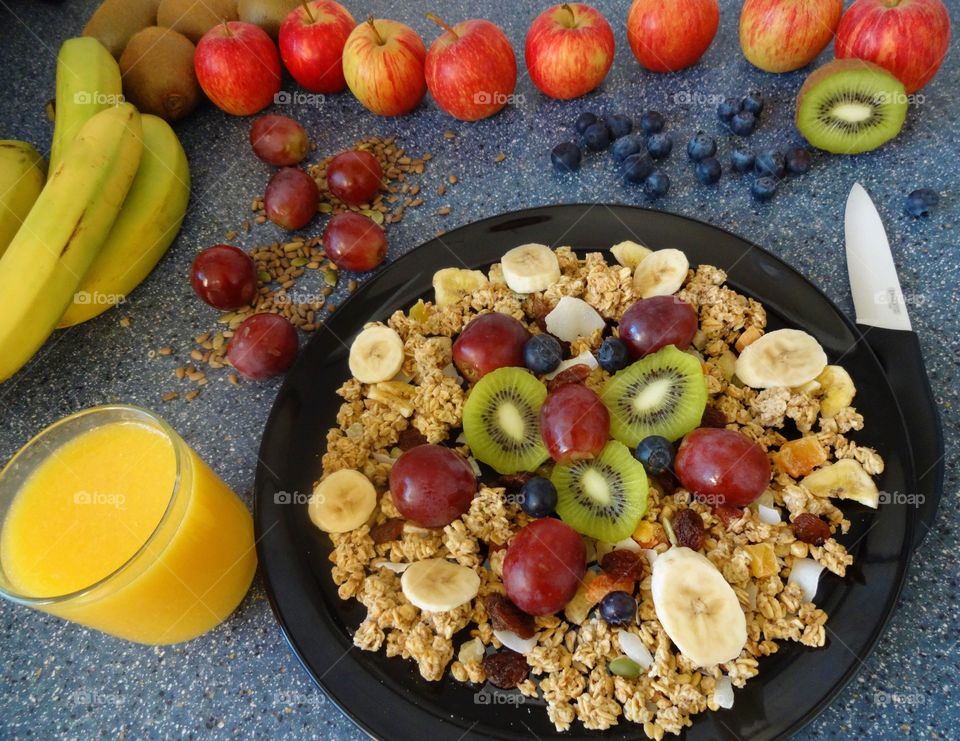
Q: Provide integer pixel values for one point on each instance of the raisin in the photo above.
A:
(574, 374)
(391, 530)
(688, 527)
(727, 514)
(539, 308)
(513, 482)
(505, 669)
(811, 529)
(410, 438)
(665, 483)
(622, 564)
(713, 417)
(504, 615)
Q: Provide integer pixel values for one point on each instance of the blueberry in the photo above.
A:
(542, 353)
(743, 123)
(619, 125)
(763, 189)
(708, 170)
(566, 157)
(752, 102)
(538, 497)
(660, 145)
(771, 163)
(655, 453)
(727, 110)
(618, 608)
(742, 159)
(701, 146)
(657, 184)
(651, 122)
(584, 121)
(798, 160)
(597, 136)
(921, 201)
(636, 167)
(627, 145)
(613, 355)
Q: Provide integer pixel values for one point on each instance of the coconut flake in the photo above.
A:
(573, 318)
(471, 650)
(397, 568)
(450, 371)
(584, 358)
(650, 554)
(768, 515)
(475, 466)
(723, 692)
(752, 591)
(383, 458)
(514, 642)
(410, 529)
(806, 572)
(632, 646)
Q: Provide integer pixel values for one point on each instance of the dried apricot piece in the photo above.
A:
(799, 457)
(649, 534)
(763, 560)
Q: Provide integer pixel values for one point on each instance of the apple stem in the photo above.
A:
(226, 28)
(443, 25)
(380, 41)
(573, 18)
(306, 9)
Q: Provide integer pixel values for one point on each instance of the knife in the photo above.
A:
(882, 318)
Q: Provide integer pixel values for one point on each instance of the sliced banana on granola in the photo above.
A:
(838, 390)
(436, 585)
(530, 267)
(343, 501)
(629, 254)
(697, 607)
(661, 273)
(786, 357)
(376, 354)
(845, 479)
(451, 285)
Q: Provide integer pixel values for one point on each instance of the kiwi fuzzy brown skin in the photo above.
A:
(268, 14)
(114, 22)
(158, 73)
(193, 18)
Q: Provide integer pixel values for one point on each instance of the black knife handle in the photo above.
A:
(899, 354)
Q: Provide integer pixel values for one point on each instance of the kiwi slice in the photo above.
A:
(664, 393)
(501, 420)
(850, 105)
(603, 497)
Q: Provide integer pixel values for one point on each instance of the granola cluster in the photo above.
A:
(568, 667)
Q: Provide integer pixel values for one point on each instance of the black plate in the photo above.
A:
(387, 697)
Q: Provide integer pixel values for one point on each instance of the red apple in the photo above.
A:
(238, 67)
(311, 44)
(667, 35)
(784, 35)
(471, 69)
(569, 50)
(383, 63)
(909, 38)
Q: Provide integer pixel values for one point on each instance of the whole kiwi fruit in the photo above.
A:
(268, 14)
(115, 21)
(193, 18)
(158, 74)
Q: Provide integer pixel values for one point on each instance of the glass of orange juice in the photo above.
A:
(109, 519)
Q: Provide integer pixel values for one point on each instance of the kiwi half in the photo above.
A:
(501, 420)
(603, 497)
(850, 105)
(664, 393)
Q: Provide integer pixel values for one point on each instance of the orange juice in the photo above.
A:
(117, 524)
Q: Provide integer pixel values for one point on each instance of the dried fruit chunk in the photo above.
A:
(688, 527)
(763, 560)
(799, 457)
(505, 669)
(574, 374)
(579, 607)
(845, 479)
(810, 529)
(649, 534)
(389, 531)
(604, 584)
(727, 514)
(504, 615)
(622, 564)
(410, 438)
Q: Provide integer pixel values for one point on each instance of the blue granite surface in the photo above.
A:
(60, 679)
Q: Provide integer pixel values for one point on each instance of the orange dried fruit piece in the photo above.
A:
(799, 457)
(577, 608)
(606, 583)
(763, 560)
(649, 534)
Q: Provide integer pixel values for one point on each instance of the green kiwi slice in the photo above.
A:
(603, 497)
(850, 105)
(501, 420)
(664, 393)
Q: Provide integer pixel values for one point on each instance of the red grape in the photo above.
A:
(488, 342)
(354, 177)
(224, 276)
(544, 566)
(291, 198)
(263, 346)
(354, 242)
(574, 423)
(278, 140)
(725, 466)
(432, 485)
(653, 323)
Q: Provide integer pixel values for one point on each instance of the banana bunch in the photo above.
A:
(22, 173)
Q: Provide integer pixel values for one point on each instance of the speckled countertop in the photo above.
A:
(241, 679)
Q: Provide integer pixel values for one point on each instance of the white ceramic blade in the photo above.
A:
(877, 297)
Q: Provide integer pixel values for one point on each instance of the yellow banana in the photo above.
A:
(88, 81)
(64, 231)
(147, 224)
(22, 172)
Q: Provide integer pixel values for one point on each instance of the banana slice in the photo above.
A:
(629, 254)
(450, 285)
(786, 357)
(845, 479)
(343, 501)
(530, 267)
(436, 585)
(376, 354)
(697, 607)
(661, 273)
(838, 390)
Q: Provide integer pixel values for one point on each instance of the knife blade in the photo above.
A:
(877, 297)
